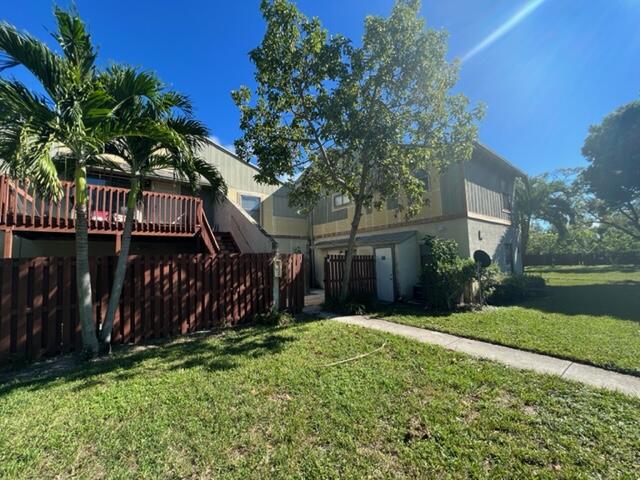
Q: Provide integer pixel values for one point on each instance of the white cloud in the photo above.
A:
(229, 146)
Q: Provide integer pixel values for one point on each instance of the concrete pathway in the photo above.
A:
(597, 377)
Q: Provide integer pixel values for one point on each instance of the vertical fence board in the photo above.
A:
(5, 309)
(21, 324)
(53, 331)
(184, 292)
(38, 276)
(162, 296)
(138, 301)
(363, 279)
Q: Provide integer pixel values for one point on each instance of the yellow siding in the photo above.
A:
(284, 226)
(384, 217)
(240, 181)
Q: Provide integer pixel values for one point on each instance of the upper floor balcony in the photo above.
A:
(22, 208)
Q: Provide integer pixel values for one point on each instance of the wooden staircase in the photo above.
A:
(225, 242)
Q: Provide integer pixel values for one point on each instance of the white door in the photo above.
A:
(384, 274)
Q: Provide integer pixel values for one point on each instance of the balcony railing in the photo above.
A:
(22, 208)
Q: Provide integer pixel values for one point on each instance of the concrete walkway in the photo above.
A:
(597, 377)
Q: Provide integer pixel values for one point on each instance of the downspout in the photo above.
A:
(312, 252)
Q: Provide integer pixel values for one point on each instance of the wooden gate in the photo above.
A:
(363, 275)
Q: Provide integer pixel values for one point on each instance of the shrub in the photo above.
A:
(353, 305)
(488, 279)
(274, 318)
(516, 288)
(445, 274)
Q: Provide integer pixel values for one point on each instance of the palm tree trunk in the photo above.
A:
(121, 268)
(83, 275)
(351, 245)
(524, 240)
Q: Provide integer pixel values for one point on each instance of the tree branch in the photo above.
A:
(617, 226)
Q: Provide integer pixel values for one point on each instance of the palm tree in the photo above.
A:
(538, 198)
(174, 146)
(74, 114)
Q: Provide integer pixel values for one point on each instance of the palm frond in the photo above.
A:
(195, 132)
(128, 86)
(29, 156)
(17, 48)
(175, 100)
(17, 101)
(75, 41)
(212, 175)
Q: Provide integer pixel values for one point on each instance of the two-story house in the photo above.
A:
(471, 203)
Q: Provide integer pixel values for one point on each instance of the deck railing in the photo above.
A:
(22, 208)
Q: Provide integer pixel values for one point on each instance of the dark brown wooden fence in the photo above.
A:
(163, 296)
(363, 275)
(292, 283)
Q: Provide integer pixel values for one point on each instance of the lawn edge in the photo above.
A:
(614, 369)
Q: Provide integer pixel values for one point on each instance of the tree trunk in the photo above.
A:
(524, 240)
(83, 275)
(121, 268)
(344, 288)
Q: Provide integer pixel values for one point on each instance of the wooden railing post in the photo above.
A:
(7, 243)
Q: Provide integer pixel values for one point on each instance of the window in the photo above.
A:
(506, 195)
(506, 202)
(424, 176)
(341, 200)
(251, 205)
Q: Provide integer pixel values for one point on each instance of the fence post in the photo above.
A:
(276, 271)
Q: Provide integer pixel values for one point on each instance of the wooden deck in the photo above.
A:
(157, 214)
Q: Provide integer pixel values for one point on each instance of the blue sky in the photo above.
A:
(561, 68)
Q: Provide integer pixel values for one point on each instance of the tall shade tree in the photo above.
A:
(73, 114)
(541, 198)
(366, 122)
(175, 146)
(613, 175)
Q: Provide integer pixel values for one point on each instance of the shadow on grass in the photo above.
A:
(213, 351)
(584, 269)
(620, 300)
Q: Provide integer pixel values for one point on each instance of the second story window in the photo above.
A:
(506, 195)
(506, 202)
(341, 200)
(251, 205)
(424, 176)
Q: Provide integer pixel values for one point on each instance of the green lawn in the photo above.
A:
(261, 403)
(591, 314)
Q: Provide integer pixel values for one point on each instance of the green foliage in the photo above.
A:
(541, 198)
(517, 288)
(613, 152)
(445, 275)
(75, 116)
(487, 278)
(352, 305)
(259, 403)
(362, 120)
(597, 241)
(587, 314)
(170, 136)
(274, 318)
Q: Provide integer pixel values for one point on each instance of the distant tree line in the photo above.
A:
(591, 214)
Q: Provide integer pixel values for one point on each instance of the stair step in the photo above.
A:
(226, 242)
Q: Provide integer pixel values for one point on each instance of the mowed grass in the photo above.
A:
(262, 403)
(590, 314)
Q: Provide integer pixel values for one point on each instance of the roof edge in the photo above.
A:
(499, 157)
